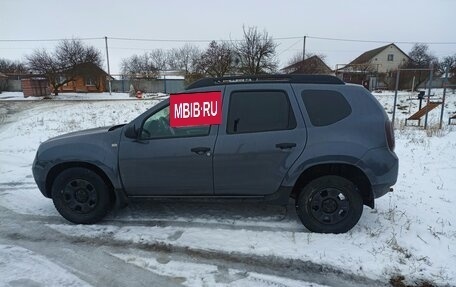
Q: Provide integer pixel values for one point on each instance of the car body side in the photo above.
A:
(356, 144)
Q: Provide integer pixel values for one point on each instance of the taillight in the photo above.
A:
(389, 131)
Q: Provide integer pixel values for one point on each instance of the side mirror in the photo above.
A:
(131, 132)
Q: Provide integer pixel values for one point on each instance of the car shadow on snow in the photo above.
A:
(198, 213)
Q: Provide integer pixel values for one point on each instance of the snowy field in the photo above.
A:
(411, 232)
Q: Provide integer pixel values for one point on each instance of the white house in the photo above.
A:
(380, 60)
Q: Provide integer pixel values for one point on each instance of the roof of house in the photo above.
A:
(3, 75)
(296, 66)
(84, 67)
(367, 56)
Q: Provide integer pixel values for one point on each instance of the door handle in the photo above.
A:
(285, 145)
(200, 150)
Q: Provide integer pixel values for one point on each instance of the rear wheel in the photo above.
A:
(81, 196)
(329, 204)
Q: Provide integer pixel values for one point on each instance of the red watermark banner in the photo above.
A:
(195, 109)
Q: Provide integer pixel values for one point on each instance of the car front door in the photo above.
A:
(165, 161)
(260, 138)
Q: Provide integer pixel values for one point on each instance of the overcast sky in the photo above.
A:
(387, 20)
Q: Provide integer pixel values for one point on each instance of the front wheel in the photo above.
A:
(329, 204)
(81, 196)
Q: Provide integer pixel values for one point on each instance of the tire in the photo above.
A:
(329, 204)
(81, 196)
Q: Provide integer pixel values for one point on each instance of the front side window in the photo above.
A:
(157, 126)
(259, 111)
(390, 57)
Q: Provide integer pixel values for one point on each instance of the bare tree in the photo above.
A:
(12, 67)
(256, 52)
(72, 52)
(420, 57)
(447, 62)
(296, 58)
(139, 66)
(159, 59)
(64, 63)
(184, 59)
(44, 63)
(216, 61)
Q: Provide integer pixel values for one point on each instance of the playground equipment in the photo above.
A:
(430, 105)
(422, 111)
(453, 117)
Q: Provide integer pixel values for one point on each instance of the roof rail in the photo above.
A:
(294, 78)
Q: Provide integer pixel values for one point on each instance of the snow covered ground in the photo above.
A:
(411, 232)
(22, 267)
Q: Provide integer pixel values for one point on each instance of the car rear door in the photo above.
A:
(261, 136)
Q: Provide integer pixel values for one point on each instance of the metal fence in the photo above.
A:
(13, 86)
(149, 85)
(123, 86)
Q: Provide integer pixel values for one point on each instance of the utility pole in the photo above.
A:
(107, 58)
(445, 82)
(431, 71)
(304, 48)
(398, 76)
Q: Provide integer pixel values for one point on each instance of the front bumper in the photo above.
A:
(38, 171)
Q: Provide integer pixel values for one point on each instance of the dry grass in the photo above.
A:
(398, 281)
(435, 130)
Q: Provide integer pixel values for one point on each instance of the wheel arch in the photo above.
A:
(57, 169)
(348, 171)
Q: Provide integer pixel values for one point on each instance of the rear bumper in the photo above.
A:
(385, 181)
(382, 168)
(380, 190)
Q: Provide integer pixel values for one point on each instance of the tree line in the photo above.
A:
(59, 66)
(255, 53)
(422, 57)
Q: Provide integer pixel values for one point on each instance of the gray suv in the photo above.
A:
(326, 144)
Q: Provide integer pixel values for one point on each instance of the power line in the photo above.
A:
(162, 40)
(291, 46)
(235, 40)
(191, 40)
(382, 42)
(47, 40)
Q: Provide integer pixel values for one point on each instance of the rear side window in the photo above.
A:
(259, 111)
(325, 107)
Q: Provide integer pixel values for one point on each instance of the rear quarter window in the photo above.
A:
(325, 107)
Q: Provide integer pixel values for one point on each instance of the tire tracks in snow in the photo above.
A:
(36, 236)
